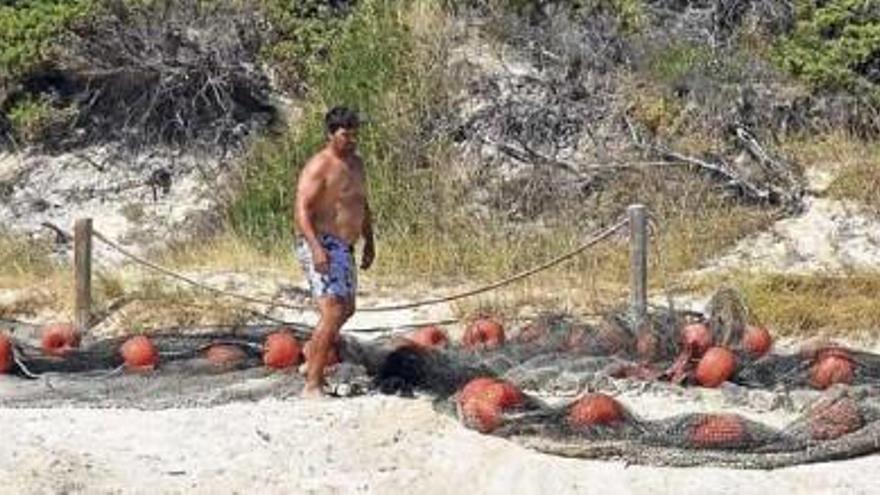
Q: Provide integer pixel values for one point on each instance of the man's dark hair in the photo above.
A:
(341, 118)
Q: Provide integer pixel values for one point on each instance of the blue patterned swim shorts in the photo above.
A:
(341, 280)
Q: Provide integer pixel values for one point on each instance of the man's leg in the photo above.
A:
(334, 313)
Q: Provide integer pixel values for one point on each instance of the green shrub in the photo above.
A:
(834, 44)
(30, 118)
(370, 69)
(675, 62)
(302, 34)
(28, 29)
(35, 119)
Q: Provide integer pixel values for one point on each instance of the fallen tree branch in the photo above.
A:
(727, 176)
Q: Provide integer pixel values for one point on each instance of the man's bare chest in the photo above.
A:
(346, 184)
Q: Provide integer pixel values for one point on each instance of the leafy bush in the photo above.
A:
(302, 32)
(28, 29)
(835, 45)
(675, 62)
(33, 119)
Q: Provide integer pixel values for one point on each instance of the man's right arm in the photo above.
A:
(311, 183)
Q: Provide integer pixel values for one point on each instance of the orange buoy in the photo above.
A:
(757, 341)
(533, 332)
(505, 394)
(698, 337)
(5, 354)
(281, 350)
(830, 421)
(139, 353)
(431, 337)
(718, 430)
(647, 345)
(497, 392)
(225, 355)
(484, 333)
(59, 338)
(716, 367)
(475, 388)
(595, 410)
(576, 339)
(481, 415)
(832, 366)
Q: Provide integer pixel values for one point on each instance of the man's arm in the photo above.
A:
(308, 190)
(369, 246)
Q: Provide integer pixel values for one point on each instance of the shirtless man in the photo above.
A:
(330, 214)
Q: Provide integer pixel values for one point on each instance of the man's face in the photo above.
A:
(345, 140)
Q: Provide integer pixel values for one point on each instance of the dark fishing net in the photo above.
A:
(95, 376)
(558, 362)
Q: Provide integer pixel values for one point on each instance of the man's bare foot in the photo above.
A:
(312, 392)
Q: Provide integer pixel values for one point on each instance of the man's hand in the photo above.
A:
(368, 256)
(320, 259)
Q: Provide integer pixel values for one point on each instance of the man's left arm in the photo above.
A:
(369, 246)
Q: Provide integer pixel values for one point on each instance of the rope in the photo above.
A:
(594, 239)
(169, 273)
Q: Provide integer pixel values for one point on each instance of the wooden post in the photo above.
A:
(82, 260)
(638, 231)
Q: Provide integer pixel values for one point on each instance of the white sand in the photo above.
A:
(364, 445)
(372, 444)
(828, 236)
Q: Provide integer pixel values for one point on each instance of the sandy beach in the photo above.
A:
(372, 444)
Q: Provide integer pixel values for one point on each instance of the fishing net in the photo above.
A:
(617, 388)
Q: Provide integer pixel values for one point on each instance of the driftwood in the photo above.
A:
(787, 193)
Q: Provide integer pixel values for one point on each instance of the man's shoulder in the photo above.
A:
(319, 162)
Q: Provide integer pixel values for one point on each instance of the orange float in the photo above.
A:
(576, 339)
(139, 353)
(481, 415)
(483, 333)
(832, 366)
(475, 388)
(647, 345)
(716, 367)
(497, 392)
(595, 410)
(225, 355)
(430, 337)
(59, 338)
(532, 332)
(6, 359)
(757, 340)
(697, 337)
(281, 350)
(505, 394)
(718, 430)
(835, 420)
(611, 337)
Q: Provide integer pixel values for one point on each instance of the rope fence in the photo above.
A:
(84, 233)
(591, 241)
